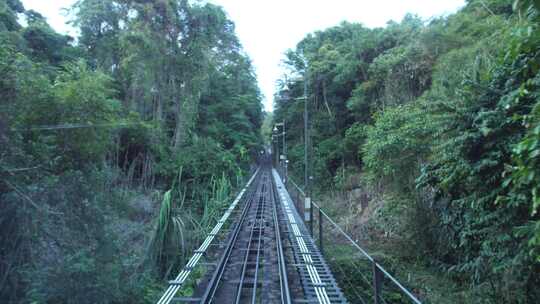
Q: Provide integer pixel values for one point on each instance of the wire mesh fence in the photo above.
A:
(360, 277)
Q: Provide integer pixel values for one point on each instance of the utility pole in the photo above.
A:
(308, 210)
(284, 148)
(282, 160)
(275, 151)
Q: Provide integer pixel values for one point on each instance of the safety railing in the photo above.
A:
(359, 275)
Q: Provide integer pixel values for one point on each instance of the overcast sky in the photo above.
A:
(267, 28)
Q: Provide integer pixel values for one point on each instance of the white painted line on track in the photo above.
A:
(320, 292)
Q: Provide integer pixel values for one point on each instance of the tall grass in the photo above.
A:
(213, 202)
(180, 227)
(168, 243)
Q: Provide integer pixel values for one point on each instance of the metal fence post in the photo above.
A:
(300, 203)
(379, 274)
(377, 283)
(295, 199)
(321, 231)
(308, 213)
(310, 217)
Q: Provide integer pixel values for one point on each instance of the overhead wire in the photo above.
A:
(76, 126)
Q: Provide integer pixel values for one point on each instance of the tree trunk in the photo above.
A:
(180, 113)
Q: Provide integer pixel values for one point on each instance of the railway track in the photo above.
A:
(264, 256)
(249, 271)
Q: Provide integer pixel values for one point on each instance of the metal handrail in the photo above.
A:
(369, 257)
(297, 187)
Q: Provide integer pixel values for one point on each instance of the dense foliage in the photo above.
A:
(153, 95)
(439, 118)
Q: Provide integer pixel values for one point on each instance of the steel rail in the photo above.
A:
(218, 273)
(250, 241)
(320, 290)
(283, 279)
(183, 275)
(369, 257)
(257, 259)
